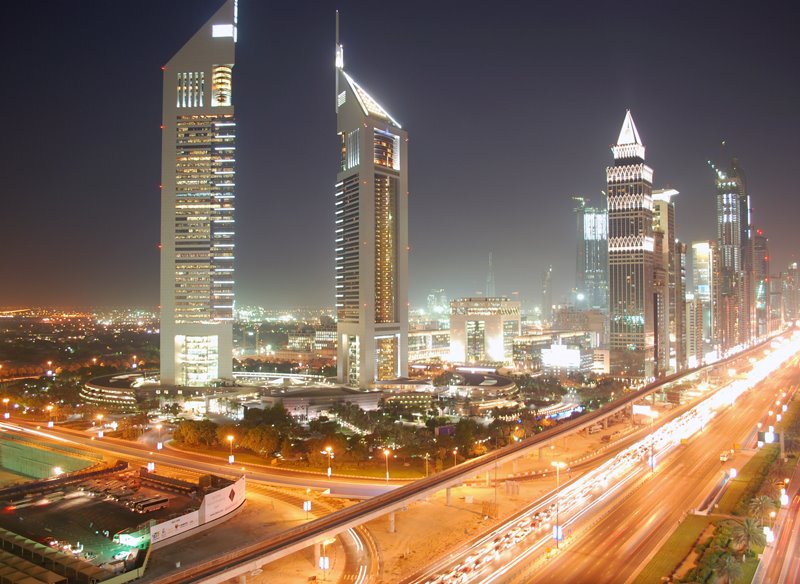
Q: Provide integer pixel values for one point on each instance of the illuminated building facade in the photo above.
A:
(761, 282)
(591, 275)
(197, 206)
(371, 237)
(631, 246)
(482, 330)
(736, 309)
(694, 330)
(702, 270)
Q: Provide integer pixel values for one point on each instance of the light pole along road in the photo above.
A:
(618, 547)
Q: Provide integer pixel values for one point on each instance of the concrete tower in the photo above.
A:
(371, 236)
(197, 204)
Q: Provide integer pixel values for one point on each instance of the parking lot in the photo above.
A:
(84, 518)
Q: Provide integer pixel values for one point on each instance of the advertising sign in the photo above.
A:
(173, 527)
(221, 502)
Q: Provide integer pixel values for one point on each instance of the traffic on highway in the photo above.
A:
(534, 533)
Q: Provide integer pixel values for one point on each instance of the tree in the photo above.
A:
(263, 440)
(760, 507)
(747, 535)
(728, 569)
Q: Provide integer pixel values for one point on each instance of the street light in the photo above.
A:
(427, 456)
(557, 529)
(230, 441)
(49, 409)
(386, 453)
(329, 452)
(455, 453)
(159, 444)
(7, 414)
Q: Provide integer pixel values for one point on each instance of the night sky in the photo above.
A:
(510, 109)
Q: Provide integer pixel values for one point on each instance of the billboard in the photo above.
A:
(173, 527)
(221, 502)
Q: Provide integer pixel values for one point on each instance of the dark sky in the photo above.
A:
(510, 109)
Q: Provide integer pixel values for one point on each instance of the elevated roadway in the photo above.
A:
(252, 558)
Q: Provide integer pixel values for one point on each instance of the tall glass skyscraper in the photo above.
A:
(591, 274)
(371, 236)
(630, 257)
(735, 243)
(197, 205)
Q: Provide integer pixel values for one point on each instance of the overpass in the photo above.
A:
(243, 561)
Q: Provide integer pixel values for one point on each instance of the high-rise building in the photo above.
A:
(630, 257)
(482, 330)
(371, 236)
(734, 238)
(490, 286)
(680, 307)
(791, 292)
(197, 206)
(705, 278)
(666, 299)
(547, 294)
(694, 331)
(761, 282)
(591, 274)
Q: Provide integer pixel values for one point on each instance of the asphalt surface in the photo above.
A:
(619, 545)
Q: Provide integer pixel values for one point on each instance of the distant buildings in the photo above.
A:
(482, 330)
(197, 206)
(371, 237)
(630, 257)
(591, 274)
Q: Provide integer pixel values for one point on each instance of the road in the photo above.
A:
(781, 561)
(616, 548)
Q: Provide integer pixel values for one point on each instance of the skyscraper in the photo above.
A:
(591, 274)
(734, 239)
(197, 205)
(666, 325)
(490, 288)
(630, 256)
(761, 283)
(371, 236)
(547, 294)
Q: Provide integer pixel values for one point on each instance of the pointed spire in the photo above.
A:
(629, 146)
(628, 134)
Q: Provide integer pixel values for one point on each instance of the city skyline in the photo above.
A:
(450, 230)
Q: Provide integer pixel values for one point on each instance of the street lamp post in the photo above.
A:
(230, 441)
(159, 444)
(49, 409)
(455, 453)
(329, 452)
(386, 455)
(557, 531)
(7, 414)
(426, 464)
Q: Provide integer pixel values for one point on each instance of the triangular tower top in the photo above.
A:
(628, 134)
(629, 148)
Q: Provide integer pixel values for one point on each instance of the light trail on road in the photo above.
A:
(584, 496)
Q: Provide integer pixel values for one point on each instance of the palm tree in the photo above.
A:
(748, 535)
(760, 507)
(727, 569)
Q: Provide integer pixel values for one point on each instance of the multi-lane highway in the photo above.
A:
(616, 548)
(509, 552)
